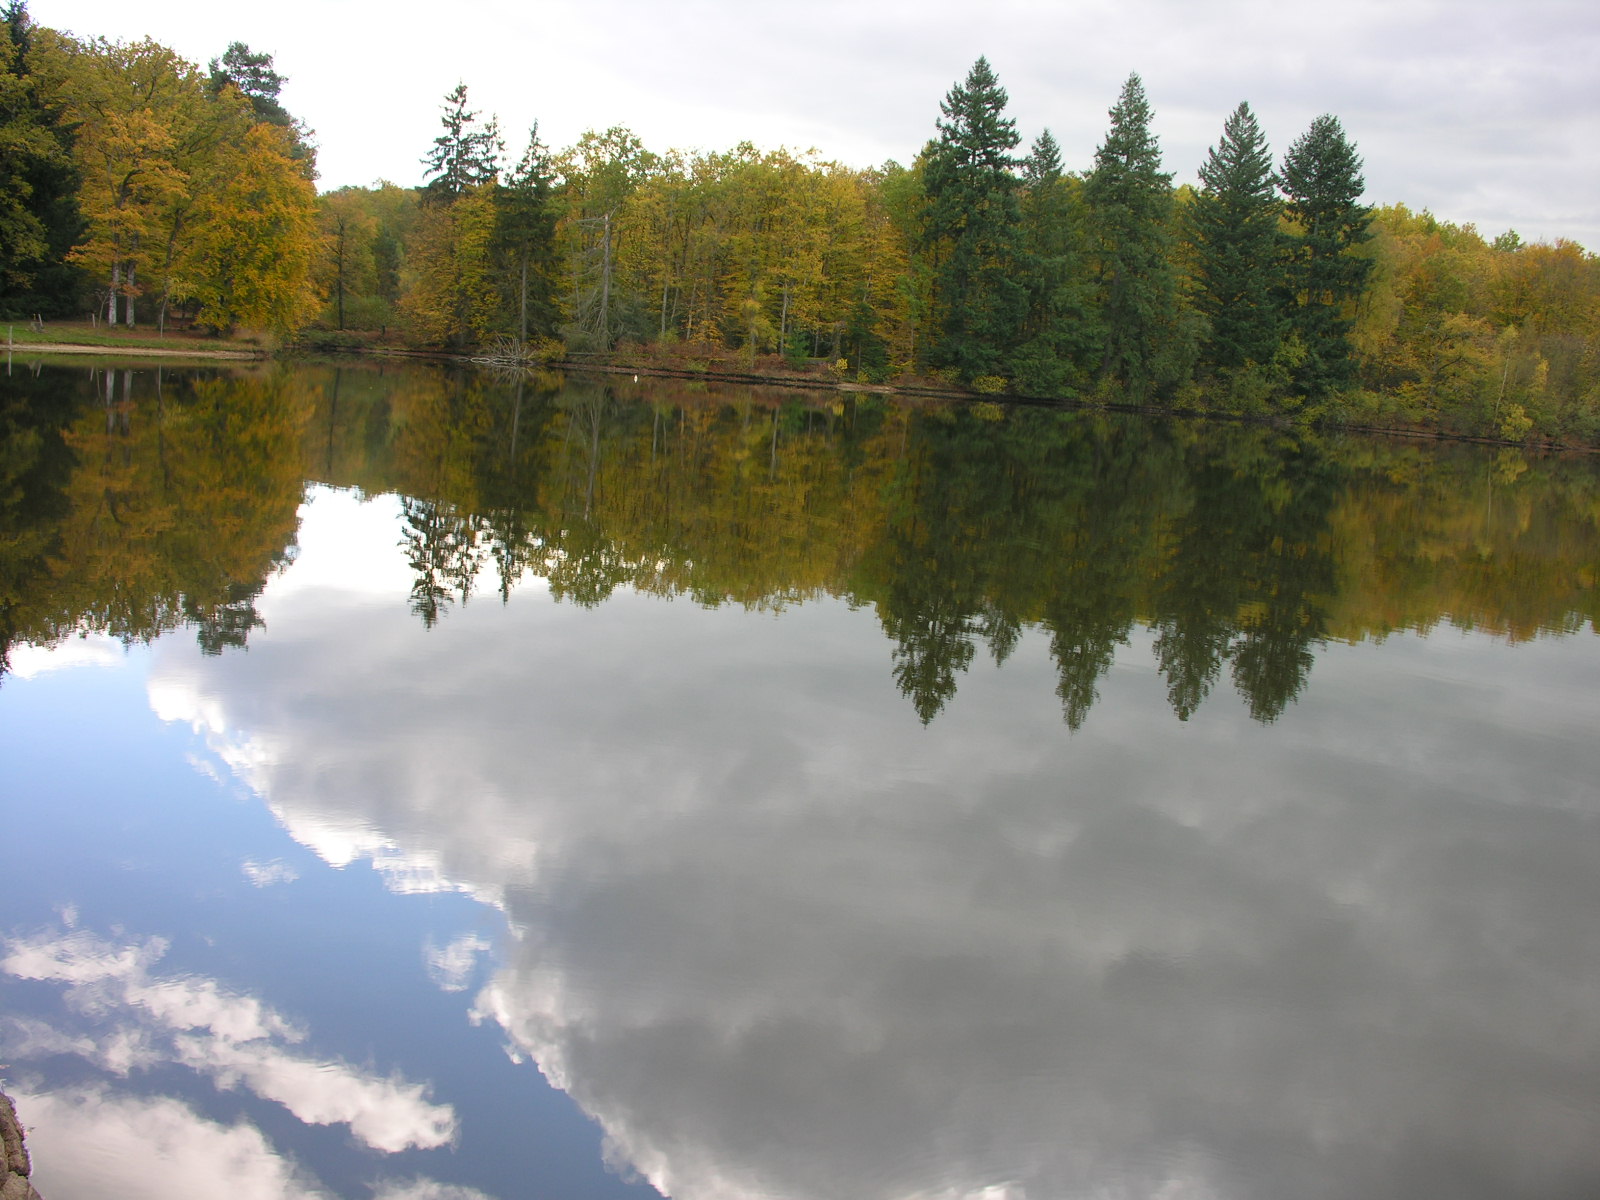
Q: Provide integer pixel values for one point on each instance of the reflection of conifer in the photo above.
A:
(228, 624)
(1189, 654)
(445, 550)
(932, 648)
(1084, 651)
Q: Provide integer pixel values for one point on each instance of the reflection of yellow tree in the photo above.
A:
(184, 498)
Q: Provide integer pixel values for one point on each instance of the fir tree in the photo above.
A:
(463, 156)
(1058, 330)
(1234, 230)
(1322, 183)
(973, 224)
(251, 74)
(1129, 201)
(525, 236)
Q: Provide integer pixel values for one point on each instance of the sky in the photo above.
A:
(1478, 110)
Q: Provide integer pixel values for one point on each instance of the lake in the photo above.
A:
(432, 785)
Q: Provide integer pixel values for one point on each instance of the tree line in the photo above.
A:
(142, 186)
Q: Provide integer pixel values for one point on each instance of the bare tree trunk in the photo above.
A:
(605, 286)
(111, 294)
(338, 271)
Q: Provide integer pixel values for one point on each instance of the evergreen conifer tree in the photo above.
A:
(251, 73)
(1322, 184)
(1129, 201)
(463, 156)
(973, 228)
(1233, 226)
(1058, 330)
(525, 235)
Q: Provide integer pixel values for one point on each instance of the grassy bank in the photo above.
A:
(66, 336)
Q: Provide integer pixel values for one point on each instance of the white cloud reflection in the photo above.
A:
(268, 873)
(234, 1040)
(782, 940)
(83, 650)
(89, 1143)
(452, 966)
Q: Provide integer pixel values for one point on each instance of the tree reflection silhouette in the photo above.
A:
(136, 508)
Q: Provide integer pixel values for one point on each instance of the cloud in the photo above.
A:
(233, 1039)
(88, 1142)
(266, 874)
(1478, 112)
(84, 650)
(452, 966)
(428, 1189)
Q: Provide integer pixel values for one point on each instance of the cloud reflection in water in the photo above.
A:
(781, 940)
(234, 1040)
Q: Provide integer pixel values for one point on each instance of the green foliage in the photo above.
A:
(1233, 230)
(134, 181)
(464, 156)
(1129, 202)
(972, 228)
(525, 243)
(39, 219)
(1057, 350)
(1322, 185)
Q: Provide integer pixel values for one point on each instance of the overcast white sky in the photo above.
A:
(1480, 110)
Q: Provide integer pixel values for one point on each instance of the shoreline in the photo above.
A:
(911, 391)
(134, 350)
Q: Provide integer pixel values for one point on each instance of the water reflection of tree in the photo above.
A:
(445, 550)
(35, 468)
(959, 527)
(149, 501)
(1247, 571)
(179, 500)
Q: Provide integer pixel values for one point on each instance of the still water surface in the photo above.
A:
(434, 787)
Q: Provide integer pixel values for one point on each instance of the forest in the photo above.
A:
(146, 190)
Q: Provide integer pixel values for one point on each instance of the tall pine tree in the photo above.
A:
(1058, 335)
(973, 229)
(1322, 183)
(463, 156)
(1233, 226)
(1129, 201)
(525, 237)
